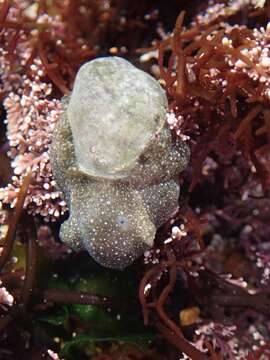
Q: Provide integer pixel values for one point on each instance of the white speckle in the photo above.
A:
(167, 241)
(147, 288)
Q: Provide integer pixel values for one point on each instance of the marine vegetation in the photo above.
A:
(178, 212)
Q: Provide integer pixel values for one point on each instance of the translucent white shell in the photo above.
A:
(114, 111)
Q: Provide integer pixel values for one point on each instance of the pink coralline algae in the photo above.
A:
(6, 299)
(30, 121)
(213, 254)
(32, 113)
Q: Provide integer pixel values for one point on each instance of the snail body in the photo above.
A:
(114, 159)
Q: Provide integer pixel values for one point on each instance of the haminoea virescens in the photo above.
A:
(114, 159)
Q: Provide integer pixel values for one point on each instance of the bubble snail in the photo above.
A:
(114, 159)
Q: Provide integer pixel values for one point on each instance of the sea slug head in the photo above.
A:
(116, 227)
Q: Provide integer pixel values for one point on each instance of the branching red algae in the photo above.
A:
(229, 295)
(206, 55)
(13, 223)
(180, 343)
(4, 10)
(217, 118)
(165, 325)
(69, 297)
(31, 265)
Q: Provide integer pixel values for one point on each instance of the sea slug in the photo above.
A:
(114, 158)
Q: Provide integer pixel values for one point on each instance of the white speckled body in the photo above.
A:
(114, 159)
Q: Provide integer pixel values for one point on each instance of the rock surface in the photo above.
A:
(114, 158)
